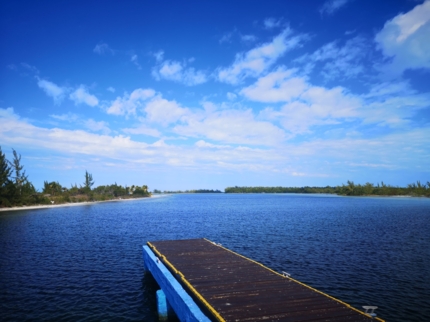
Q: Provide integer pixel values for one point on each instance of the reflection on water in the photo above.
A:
(85, 262)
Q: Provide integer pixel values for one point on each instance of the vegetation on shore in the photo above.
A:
(350, 189)
(17, 190)
(189, 191)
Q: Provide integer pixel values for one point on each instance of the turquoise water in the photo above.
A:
(84, 262)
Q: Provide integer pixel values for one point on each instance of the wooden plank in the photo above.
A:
(239, 289)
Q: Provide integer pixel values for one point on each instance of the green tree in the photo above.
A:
(20, 178)
(5, 182)
(89, 182)
(5, 170)
(53, 188)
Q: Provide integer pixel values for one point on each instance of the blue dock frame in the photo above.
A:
(178, 299)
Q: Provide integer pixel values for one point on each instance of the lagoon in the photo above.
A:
(85, 262)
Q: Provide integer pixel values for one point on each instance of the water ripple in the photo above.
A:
(84, 263)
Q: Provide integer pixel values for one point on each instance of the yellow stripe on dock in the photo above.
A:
(232, 287)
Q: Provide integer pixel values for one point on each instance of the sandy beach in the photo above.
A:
(73, 204)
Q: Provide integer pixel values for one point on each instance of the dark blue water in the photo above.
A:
(84, 263)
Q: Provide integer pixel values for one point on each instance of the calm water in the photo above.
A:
(84, 263)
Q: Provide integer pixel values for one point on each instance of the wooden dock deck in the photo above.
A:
(230, 287)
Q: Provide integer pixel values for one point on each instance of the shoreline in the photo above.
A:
(70, 204)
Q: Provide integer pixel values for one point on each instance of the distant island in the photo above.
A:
(349, 189)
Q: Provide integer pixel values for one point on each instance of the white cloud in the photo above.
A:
(388, 104)
(178, 72)
(232, 126)
(159, 55)
(226, 38)
(144, 130)
(203, 144)
(135, 61)
(95, 126)
(331, 6)
(405, 39)
(248, 38)
(171, 70)
(81, 96)
(392, 104)
(278, 86)
(31, 68)
(270, 23)
(259, 59)
(111, 89)
(119, 149)
(338, 61)
(128, 104)
(160, 110)
(52, 90)
(403, 151)
(20, 132)
(316, 106)
(69, 117)
(231, 96)
(320, 106)
(103, 48)
(8, 114)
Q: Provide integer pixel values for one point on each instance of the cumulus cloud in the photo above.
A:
(278, 86)
(8, 114)
(171, 70)
(143, 130)
(103, 48)
(81, 96)
(111, 89)
(405, 40)
(306, 105)
(204, 144)
(232, 126)
(259, 59)
(331, 6)
(404, 151)
(18, 131)
(119, 149)
(316, 106)
(95, 126)
(56, 92)
(178, 72)
(160, 110)
(69, 117)
(391, 104)
(128, 104)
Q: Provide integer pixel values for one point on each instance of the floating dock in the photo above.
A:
(203, 281)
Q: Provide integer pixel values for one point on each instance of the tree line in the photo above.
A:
(348, 189)
(188, 191)
(17, 190)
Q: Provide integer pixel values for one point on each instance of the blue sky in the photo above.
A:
(210, 94)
